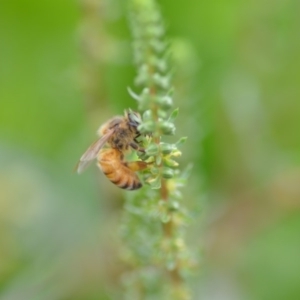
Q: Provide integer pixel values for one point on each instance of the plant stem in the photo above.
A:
(155, 217)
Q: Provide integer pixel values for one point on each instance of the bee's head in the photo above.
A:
(133, 117)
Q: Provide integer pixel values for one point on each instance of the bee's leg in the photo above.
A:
(136, 165)
(136, 137)
(136, 147)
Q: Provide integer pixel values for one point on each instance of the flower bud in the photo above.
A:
(167, 173)
(152, 150)
(167, 128)
(154, 182)
(165, 102)
(166, 148)
(170, 163)
(148, 126)
(147, 115)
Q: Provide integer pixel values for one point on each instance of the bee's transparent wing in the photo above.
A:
(92, 152)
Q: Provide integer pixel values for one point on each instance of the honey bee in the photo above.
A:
(120, 135)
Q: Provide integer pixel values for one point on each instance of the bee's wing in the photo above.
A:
(92, 152)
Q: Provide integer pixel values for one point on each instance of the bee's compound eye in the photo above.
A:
(134, 118)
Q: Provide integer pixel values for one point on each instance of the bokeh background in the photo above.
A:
(64, 69)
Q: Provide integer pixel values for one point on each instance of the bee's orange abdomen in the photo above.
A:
(111, 163)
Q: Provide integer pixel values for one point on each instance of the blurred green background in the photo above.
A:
(64, 69)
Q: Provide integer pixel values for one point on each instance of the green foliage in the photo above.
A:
(153, 225)
(63, 69)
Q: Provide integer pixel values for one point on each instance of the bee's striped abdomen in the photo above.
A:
(111, 164)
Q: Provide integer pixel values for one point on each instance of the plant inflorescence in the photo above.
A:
(155, 217)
